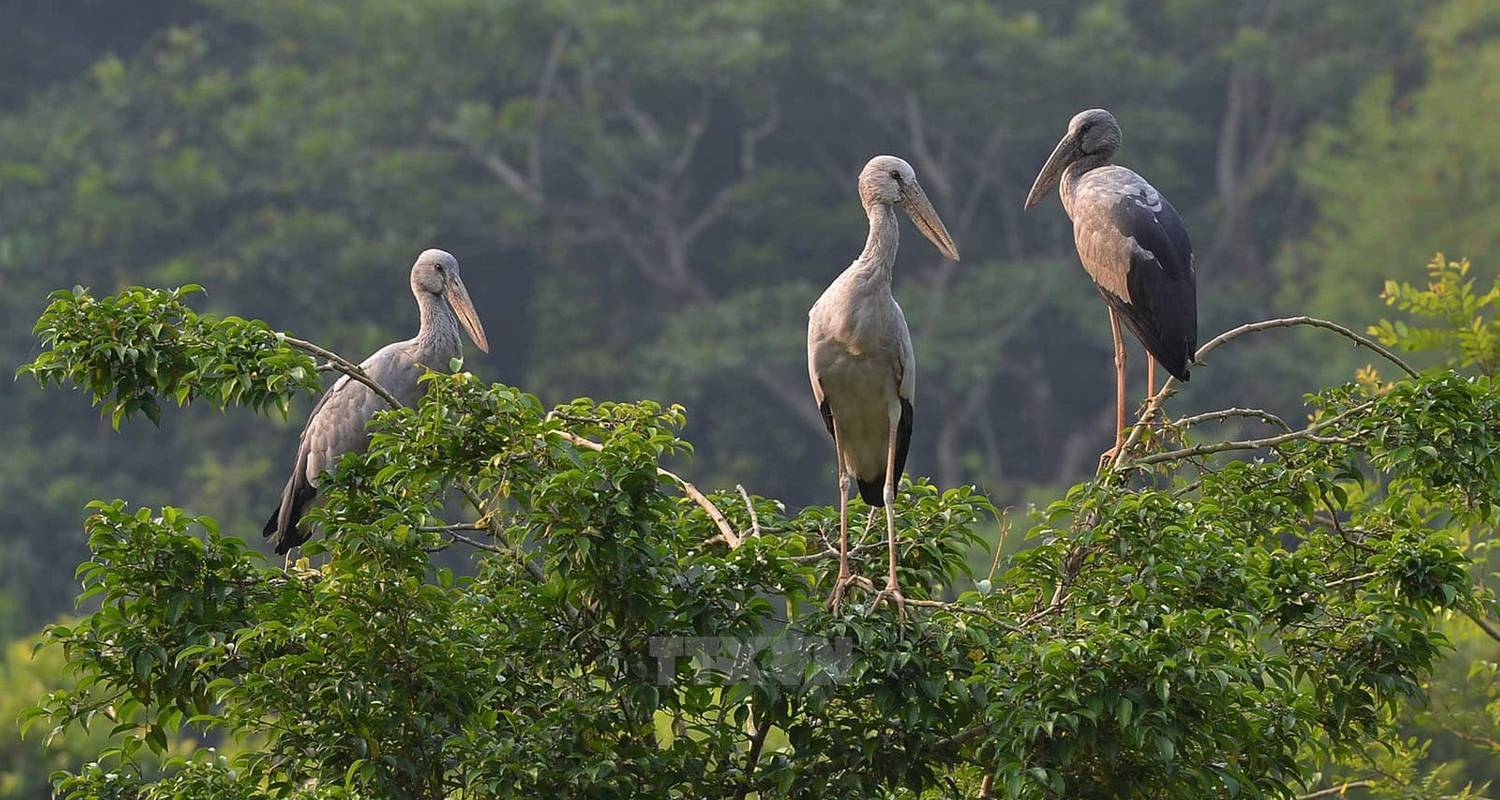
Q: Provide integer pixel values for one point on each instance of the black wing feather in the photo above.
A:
(297, 492)
(827, 412)
(873, 491)
(1163, 305)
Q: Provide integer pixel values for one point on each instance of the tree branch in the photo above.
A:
(750, 507)
(1154, 404)
(1227, 413)
(1336, 790)
(757, 741)
(726, 533)
(1309, 433)
(343, 365)
(1484, 624)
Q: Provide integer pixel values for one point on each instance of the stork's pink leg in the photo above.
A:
(842, 581)
(1113, 452)
(1150, 377)
(892, 590)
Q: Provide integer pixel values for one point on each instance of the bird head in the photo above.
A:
(1090, 133)
(436, 273)
(888, 180)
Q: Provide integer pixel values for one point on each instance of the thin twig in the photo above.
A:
(1169, 388)
(1361, 578)
(962, 736)
(1226, 413)
(750, 507)
(1484, 624)
(1336, 790)
(461, 526)
(726, 533)
(829, 552)
(343, 365)
(963, 609)
(1309, 433)
(1003, 523)
(757, 740)
(472, 542)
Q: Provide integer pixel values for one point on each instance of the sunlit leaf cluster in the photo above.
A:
(132, 351)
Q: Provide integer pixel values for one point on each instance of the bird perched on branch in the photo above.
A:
(1134, 247)
(860, 358)
(337, 423)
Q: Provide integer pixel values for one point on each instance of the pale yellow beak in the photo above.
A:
(458, 298)
(920, 209)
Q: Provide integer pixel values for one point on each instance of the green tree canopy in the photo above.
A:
(1222, 627)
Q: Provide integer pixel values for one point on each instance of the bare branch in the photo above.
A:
(1361, 578)
(1484, 624)
(757, 740)
(1314, 322)
(726, 533)
(695, 129)
(710, 214)
(1154, 404)
(750, 507)
(1336, 790)
(344, 365)
(1309, 433)
(461, 526)
(1227, 413)
(956, 608)
(472, 542)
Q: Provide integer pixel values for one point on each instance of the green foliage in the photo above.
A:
(1465, 328)
(129, 350)
(1215, 635)
(1460, 727)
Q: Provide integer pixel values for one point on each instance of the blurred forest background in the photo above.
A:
(647, 197)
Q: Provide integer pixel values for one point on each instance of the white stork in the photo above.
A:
(337, 423)
(860, 359)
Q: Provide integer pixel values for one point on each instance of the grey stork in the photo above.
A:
(861, 363)
(1134, 247)
(337, 423)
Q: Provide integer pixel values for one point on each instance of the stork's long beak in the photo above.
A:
(920, 209)
(458, 298)
(1064, 154)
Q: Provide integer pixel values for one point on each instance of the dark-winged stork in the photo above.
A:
(337, 423)
(1134, 246)
(860, 359)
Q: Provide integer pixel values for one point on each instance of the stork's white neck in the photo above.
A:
(879, 255)
(1076, 170)
(439, 334)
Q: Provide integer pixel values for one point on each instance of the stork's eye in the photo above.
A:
(896, 174)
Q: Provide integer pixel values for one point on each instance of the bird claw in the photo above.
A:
(839, 585)
(1108, 457)
(891, 592)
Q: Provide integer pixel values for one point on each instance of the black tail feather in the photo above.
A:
(293, 536)
(873, 492)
